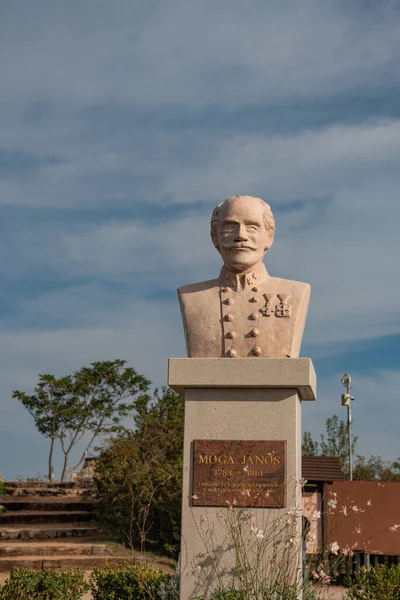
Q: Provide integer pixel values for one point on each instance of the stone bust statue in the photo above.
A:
(244, 312)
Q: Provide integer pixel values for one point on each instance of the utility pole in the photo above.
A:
(346, 401)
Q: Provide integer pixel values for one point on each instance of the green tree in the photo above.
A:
(375, 468)
(334, 442)
(138, 476)
(309, 447)
(93, 400)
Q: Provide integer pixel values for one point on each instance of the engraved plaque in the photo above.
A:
(239, 473)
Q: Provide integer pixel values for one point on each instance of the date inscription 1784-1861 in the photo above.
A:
(239, 473)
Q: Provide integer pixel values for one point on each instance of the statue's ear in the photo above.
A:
(214, 235)
(270, 241)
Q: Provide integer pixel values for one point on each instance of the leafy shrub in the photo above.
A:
(27, 584)
(170, 590)
(139, 476)
(380, 583)
(291, 593)
(127, 581)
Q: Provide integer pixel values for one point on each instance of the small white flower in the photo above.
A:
(334, 547)
(260, 534)
(394, 528)
(332, 503)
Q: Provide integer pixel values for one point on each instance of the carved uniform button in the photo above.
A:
(225, 290)
(256, 351)
(231, 335)
(253, 299)
(255, 289)
(229, 317)
(231, 353)
(228, 301)
(255, 332)
(253, 316)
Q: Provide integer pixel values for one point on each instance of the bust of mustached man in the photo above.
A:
(245, 312)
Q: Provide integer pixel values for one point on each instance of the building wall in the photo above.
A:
(312, 502)
(366, 516)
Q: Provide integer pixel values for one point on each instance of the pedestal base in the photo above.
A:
(242, 402)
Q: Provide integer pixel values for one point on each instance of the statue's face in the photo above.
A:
(242, 237)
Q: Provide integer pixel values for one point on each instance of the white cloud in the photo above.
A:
(312, 163)
(229, 53)
(347, 248)
(62, 60)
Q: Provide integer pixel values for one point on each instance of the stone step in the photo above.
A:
(44, 531)
(45, 488)
(68, 547)
(16, 503)
(58, 562)
(65, 485)
(39, 516)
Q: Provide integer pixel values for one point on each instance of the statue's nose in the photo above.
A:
(241, 233)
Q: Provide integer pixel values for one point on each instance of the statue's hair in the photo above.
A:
(268, 217)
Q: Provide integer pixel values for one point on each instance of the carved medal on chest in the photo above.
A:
(267, 310)
(283, 309)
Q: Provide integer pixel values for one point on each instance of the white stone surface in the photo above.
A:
(297, 374)
(244, 400)
(244, 312)
(227, 414)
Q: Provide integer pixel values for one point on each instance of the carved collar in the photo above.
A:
(246, 279)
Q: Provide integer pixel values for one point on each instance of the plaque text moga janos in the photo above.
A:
(239, 473)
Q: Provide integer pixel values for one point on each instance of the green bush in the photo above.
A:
(27, 584)
(291, 593)
(380, 583)
(127, 581)
(139, 477)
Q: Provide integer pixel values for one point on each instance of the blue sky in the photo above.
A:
(123, 124)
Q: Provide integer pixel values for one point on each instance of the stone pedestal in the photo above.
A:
(240, 400)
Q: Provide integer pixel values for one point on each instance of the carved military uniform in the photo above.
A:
(248, 314)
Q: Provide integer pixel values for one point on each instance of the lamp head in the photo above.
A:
(346, 382)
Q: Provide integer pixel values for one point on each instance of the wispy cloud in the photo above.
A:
(121, 126)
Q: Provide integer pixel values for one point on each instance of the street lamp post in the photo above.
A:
(346, 401)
